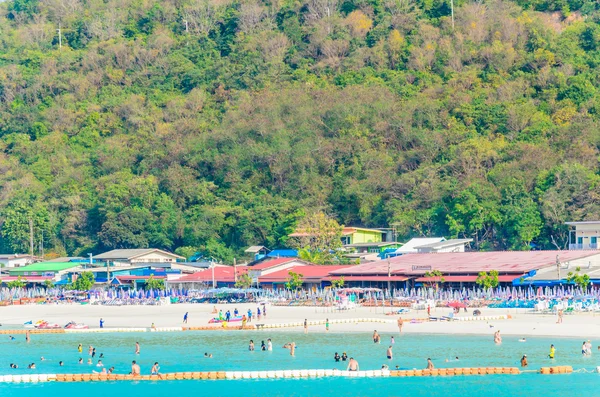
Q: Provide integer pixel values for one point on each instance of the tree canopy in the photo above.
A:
(218, 124)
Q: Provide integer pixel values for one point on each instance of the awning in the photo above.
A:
(367, 278)
(507, 278)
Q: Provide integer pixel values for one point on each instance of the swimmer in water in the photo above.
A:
(155, 369)
(352, 365)
(269, 345)
(392, 341)
(337, 357)
(99, 364)
(60, 364)
(429, 364)
(522, 340)
(344, 356)
(80, 360)
(552, 352)
(11, 337)
(524, 362)
(497, 337)
(251, 345)
(389, 353)
(80, 348)
(376, 337)
(42, 358)
(263, 347)
(135, 369)
(89, 361)
(137, 347)
(90, 349)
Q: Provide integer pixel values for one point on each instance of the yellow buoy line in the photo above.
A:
(278, 374)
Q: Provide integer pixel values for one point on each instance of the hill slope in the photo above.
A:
(217, 124)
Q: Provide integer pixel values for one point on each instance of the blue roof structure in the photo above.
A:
(283, 253)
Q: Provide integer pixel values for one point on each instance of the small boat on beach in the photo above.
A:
(47, 325)
(74, 325)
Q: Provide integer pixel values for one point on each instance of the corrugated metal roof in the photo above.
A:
(468, 279)
(308, 272)
(467, 262)
(413, 243)
(255, 248)
(132, 253)
(222, 274)
(368, 278)
(45, 267)
(446, 243)
(274, 262)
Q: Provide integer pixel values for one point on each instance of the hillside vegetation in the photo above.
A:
(217, 124)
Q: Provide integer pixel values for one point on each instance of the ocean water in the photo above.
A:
(185, 352)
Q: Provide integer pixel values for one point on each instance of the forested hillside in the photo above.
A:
(217, 124)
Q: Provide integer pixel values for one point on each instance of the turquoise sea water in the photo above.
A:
(185, 352)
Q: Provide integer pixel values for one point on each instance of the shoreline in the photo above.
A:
(522, 323)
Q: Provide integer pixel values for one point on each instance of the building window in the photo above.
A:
(346, 240)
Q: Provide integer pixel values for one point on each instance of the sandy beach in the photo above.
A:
(522, 323)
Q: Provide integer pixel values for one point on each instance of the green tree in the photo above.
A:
(84, 282)
(487, 280)
(244, 281)
(48, 283)
(318, 239)
(437, 278)
(581, 280)
(18, 283)
(339, 283)
(154, 284)
(294, 281)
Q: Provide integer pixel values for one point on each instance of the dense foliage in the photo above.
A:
(217, 124)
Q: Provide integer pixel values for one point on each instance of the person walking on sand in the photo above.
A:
(327, 325)
(389, 353)
(244, 321)
(185, 318)
(305, 326)
(101, 323)
(137, 347)
(400, 324)
(428, 310)
(560, 316)
(27, 336)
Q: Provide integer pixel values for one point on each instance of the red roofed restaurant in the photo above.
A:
(458, 269)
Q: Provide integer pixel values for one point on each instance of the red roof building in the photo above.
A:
(459, 267)
(311, 274)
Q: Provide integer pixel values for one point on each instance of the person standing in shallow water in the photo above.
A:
(137, 348)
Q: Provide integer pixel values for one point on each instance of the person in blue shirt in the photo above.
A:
(235, 312)
(185, 317)
(249, 315)
(227, 315)
(101, 323)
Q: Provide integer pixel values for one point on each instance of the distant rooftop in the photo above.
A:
(446, 243)
(46, 267)
(413, 243)
(132, 253)
(582, 223)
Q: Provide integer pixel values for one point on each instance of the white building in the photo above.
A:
(428, 245)
(126, 257)
(17, 260)
(452, 245)
(584, 235)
